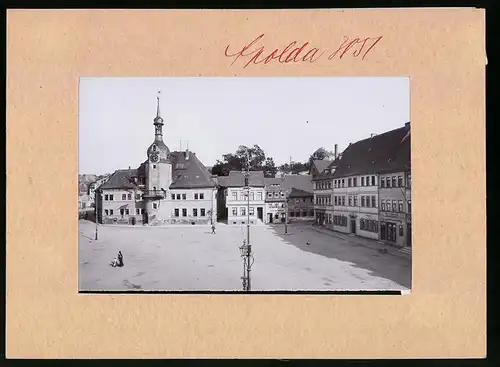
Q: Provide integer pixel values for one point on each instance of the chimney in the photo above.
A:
(336, 151)
(187, 154)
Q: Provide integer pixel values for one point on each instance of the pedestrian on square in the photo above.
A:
(213, 229)
(120, 259)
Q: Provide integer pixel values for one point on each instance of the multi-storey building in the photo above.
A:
(300, 205)
(240, 207)
(363, 204)
(395, 195)
(169, 187)
(275, 200)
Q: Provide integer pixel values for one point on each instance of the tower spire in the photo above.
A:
(158, 104)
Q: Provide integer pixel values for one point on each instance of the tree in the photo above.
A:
(270, 168)
(240, 160)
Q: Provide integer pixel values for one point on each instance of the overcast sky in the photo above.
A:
(286, 117)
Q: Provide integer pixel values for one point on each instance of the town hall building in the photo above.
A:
(167, 188)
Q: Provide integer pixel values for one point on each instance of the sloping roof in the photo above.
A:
(296, 193)
(386, 152)
(120, 179)
(237, 179)
(268, 181)
(299, 182)
(189, 172)
(319, 165)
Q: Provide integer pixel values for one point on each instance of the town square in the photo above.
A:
(333, 219)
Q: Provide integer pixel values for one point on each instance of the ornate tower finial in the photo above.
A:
(158, 104)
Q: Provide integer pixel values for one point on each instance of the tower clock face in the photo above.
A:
(154, 158)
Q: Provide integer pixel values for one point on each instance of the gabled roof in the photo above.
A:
(237, 179)
(268, 181)
(318, 165)
(120, 179)
(296, 193)
(298, 182)
(387, 152)
(188, 172)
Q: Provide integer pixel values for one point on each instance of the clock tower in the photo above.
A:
(158, 171)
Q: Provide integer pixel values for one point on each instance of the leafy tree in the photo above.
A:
(319, 154)
(244, 156)
(270, 168)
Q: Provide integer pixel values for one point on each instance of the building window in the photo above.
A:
(235, 196)
(350, 200)
(335, 200)
(400, 181)
(202, 212)
(252, 196)
(202, 196)
(343, 183)
(374, 201)
(195, 196)
(349, 182)
(251, 210)
(183, 196)
(291, 214)
(401, 230)
(137, 196)
(388, 182)
(363, 204)
(382, 205)
(127, 212)
(106, 212)
(367, 180)
(106, 197)
(111, 197)
(124, 196)
(184, 212)
(155, 206)
(343, 200)
(243, 210)
(235, 212)
(382, 182)
(270, 195)
(173, 196)
(276, 195)
(394, 183)
(110, 211)
(329, 184)
(408, 181)
(154, 165)
(356, 200)
(355, 182)
(129, 197)
(409, 206)
(195, 212)
(176, 212)
(137, 211)
(394, 205)
(400, 206)
(367, 201)
(362, 181)
(178, 196)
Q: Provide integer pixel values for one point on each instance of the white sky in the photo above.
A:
(216, 115)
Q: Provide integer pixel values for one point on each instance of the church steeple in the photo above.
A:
(158, 121)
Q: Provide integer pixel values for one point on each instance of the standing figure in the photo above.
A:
(120, 259)
(213, 228)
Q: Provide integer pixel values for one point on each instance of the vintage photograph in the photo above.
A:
(245, 184)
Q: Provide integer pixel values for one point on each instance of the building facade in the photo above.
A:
(300, 205)
(275, 200)
(242, 208)
(167, 188)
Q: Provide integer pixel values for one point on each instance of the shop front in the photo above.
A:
(393, 229)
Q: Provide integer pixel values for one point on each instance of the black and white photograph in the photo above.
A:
(244, 184)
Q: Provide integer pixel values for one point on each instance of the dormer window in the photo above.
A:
(154, 148)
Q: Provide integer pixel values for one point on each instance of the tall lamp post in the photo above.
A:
(287, 193)
(96, 196)
(246, 248)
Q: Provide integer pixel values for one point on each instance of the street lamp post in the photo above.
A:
(246, 248)
(96, 213)
(287, 193)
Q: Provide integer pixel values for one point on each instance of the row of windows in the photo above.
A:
(367, 201)
(244, 195)
(194, 212)
(338, 220)
(394, 206)
(368, 225)
(303, 213)
(276, 195)
(123, 211)
(243, 211)
(197, 196)
(353, 181)
(323, 200)
(394, 181)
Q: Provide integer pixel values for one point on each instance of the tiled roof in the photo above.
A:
(268, 181)
(386, 152)
(237, 179)
(120, 179)
(300, 182)
(189, 172)
(319, 165)
(296, 193)
(221, 180)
